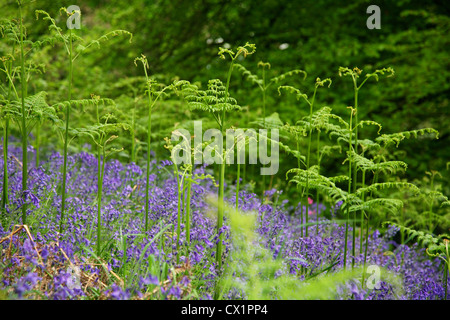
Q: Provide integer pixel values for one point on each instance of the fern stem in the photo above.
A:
(301, 197)
(446, 278)
(362, 212)
(5, 166)
(179, 205)
(367, 229)
(237, 184)
(317, 191)
(149, 130)
(264, 126)
(222, 178)
(99, 198)
(38, 142)
(430, 215)
(374, 180)
(366, 248)
(133, 131)
(244, 166)
(349, 190)
(66, 135)
(355, 172)
(264, 96)
(188, 211)
(5, 145)
(24, 128)
(308, 157)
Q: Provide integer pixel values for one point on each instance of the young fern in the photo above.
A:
(184, 179)
(319, 122)
(322, 123)
(184, 147)
(153, 97)
(217, 101)
(26, 115)
(319, 83)
(102, 133)
(68, 41)
(354, 74)
(131, 86)
(364, 165)
(433, 196)
(264, 85)
(241, 141)
(395, 138)
(387, 141)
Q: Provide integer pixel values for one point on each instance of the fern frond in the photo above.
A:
(36, 109)
(340, 120)
(82, 103)
(295, 153)
(81, 48)
(183, 88)
(293, 131)
(391, 205)
(58, 35)
(291, 73)
(396, 138)
(9, 30)
(321, 83)
(367, 144)
(388, 185)
(368, 123)
(250, 76)
(435, 245)
(212, 100)
(290, 89)
(340, 134)
(375, 74)
(100, 130)
(366, 164)
(338, 179)
(320, 120)
(247, 49)
(317, 181)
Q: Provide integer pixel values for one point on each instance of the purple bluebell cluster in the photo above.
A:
(142, 265)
